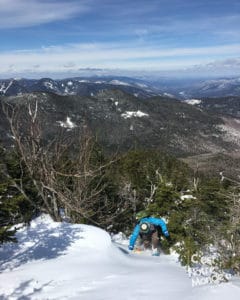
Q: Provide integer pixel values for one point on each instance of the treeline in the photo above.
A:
(103, 191)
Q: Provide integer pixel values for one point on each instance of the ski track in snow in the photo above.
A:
(64, 261)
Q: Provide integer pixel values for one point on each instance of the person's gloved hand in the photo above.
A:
(130, 247)
(166, 233)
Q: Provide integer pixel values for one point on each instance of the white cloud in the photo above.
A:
(227, 64)
(24, 13)
(76, 56)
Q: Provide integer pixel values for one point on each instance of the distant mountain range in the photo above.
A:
(78, 86)
(213, 88)
(126, 113)
(142, 88)
(122, 121)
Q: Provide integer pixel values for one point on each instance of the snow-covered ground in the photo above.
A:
(130, 114)
(193, 101)
(64, 261)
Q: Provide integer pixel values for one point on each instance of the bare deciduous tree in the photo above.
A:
(64, 170)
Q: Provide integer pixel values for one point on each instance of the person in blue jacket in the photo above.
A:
(149, 229)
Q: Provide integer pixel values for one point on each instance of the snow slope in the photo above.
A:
(64, 261)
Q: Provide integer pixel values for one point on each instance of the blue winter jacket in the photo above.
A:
(151, 220)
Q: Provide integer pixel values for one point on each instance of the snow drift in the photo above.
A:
(64, 261)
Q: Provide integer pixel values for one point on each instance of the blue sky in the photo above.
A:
(66, 36)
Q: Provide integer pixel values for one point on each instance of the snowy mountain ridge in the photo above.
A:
(77, 86)
(213, 88)
(183, 88)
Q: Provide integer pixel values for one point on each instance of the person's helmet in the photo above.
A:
(141, 214)
(145, 227)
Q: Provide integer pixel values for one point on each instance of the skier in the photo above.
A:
(149, 229)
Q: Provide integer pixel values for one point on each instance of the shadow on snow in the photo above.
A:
(25, 288)
(38, 243)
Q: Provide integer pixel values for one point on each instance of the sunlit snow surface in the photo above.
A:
(193, 101)
(63, 261)
(67, 124)
(130, 114)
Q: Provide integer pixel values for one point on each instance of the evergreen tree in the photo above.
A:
(15, 206)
